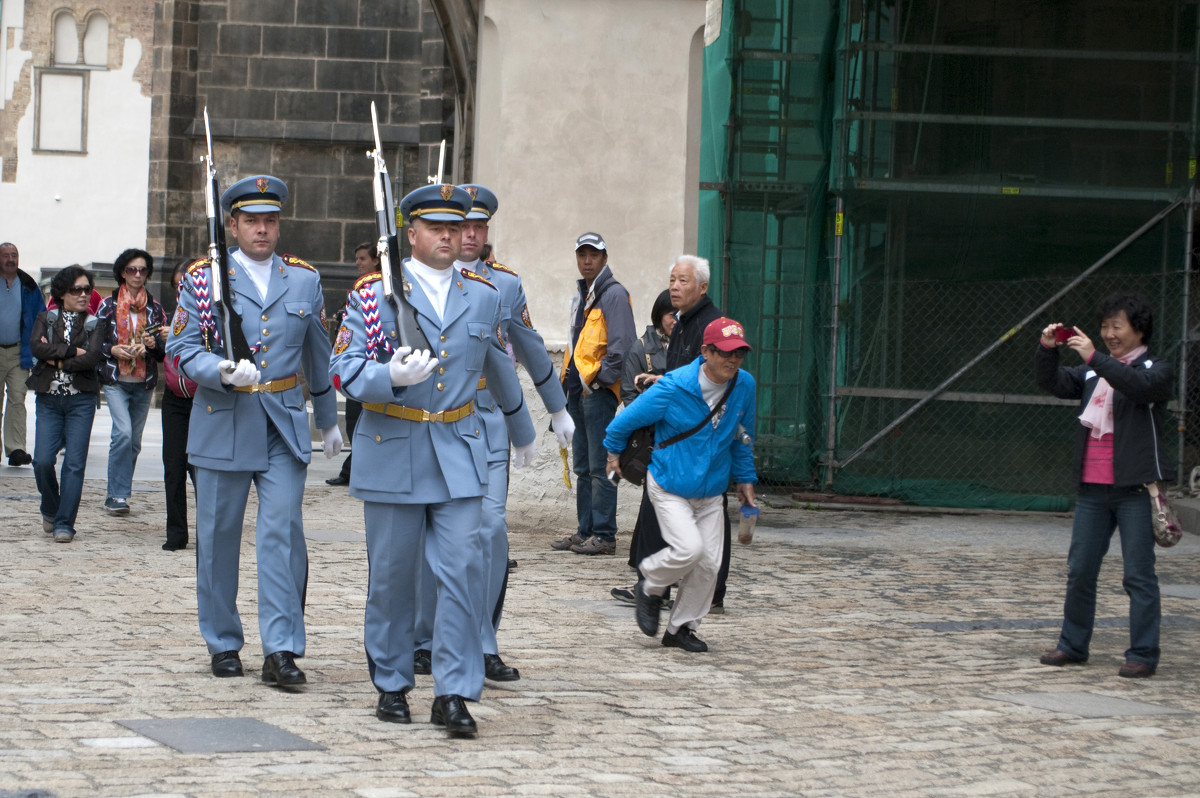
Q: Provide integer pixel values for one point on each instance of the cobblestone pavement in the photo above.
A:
(862, 654)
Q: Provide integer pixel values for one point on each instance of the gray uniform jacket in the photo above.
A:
(228, 428)
(403, 461)
(528, 348)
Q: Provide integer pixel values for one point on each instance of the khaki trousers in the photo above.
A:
(13, 377)
(692, 530)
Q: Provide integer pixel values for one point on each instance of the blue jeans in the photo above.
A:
(595, 496)
(128, 404)
(63, 423)
(1098, 510)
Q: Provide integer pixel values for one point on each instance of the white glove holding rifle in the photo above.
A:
(239, 376)
(405, 369)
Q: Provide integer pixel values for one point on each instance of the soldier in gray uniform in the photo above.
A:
(249, 425)
(420, 456)
(530, 351)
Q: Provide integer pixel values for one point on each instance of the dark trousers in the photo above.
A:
(353, 411)
(647, 539)
(175, 413)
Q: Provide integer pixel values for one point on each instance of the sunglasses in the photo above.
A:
(79, 290)
(739, 353)
(131, 270)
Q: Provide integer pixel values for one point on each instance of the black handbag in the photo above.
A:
(635, 458)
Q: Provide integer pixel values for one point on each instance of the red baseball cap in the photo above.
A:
(725, 334)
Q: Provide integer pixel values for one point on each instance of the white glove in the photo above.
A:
(406, 369)
(564, 428)
(523, 455)
(238, 376)
(331, 441)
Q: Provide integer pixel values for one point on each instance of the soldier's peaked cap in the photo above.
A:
(436, 203)
(483, 201)
(256, 194)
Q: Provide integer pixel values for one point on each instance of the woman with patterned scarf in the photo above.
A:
(1118, 452)
(133, 350)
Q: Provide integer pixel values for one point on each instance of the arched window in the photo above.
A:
(66, 39)
(95, 41)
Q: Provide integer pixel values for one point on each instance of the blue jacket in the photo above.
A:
(698, 466)
(32, 304)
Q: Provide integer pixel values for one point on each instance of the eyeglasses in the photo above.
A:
(132, 270)
(739, 353)
(79, 290)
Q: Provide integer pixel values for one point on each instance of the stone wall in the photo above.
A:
(288, 85)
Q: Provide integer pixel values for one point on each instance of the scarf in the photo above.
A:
(1098, 415)
(131, 317)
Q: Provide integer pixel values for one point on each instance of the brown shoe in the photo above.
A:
(1136, 670)
(595, 545)
(1059, 658)
(567, 542)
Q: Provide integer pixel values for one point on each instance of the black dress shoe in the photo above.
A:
(338, 480)
(495, 669)
(393, 708)
(648, 609)
(172, 546)
(512, 564)
(451, 711)
(226, 664)
(19, 457)
(280, 669)
(423, 661)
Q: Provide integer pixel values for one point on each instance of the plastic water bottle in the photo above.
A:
(747, 524)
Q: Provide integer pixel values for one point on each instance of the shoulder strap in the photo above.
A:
(716, 409)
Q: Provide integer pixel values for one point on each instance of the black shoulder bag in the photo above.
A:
(635, 459)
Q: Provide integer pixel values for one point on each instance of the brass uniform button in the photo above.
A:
(441, 369)
(443, 338)
(264, 317)
(392, 333)
(378, 438)
(440, 386)
(263, 364)
(210, 408)
(302, 314)
(264, 348)
(266, 331)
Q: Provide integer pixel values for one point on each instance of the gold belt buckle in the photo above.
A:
(426, 416)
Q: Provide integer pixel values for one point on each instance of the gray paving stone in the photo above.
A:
(1087, 705)
(218, 735)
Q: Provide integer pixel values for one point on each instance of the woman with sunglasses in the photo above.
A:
(701, 405)
(69, 346)
(133, 350)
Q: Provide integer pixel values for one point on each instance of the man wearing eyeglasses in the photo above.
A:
(704, 404)
(20, 303)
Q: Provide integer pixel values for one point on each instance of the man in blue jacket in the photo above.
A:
(705, 401)
(20, 303)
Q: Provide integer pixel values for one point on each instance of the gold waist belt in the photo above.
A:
(273, 386)
(413, 414)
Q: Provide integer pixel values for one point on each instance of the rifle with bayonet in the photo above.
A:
(236, 346)
(407, 329)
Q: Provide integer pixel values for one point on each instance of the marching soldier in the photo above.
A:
(249, 424)
(420, 456)
(530, 351)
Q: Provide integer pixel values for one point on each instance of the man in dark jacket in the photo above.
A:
(20, 303)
